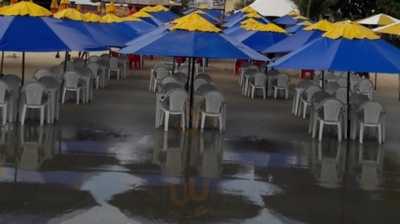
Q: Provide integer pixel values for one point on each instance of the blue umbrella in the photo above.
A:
(191, 36)
(295, 28)
(164, 16)
(41, 34)
(293, 42)
(236, 21)
(140, 26)
(286, 20)
(258, 39)
(216, 13)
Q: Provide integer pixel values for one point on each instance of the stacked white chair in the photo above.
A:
(98, 74)
(298, 93)
(113, 67)
(331, 114)
(214, 107)
(259, 82)
(175, 104)
(306, 99)
(160, 72)
(365, 87)
(372, 115)
(53, 91)
(34, 97)
(72, 83)
(282, 84)
(13, 83)
(4, 101)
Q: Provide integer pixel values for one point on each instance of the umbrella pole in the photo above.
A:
(173, 65)
(65, 61)
(23, 69)
(323, 79)
(191, 91)
(376, 80)
(348, 107)
(399, 86)
(2, 62)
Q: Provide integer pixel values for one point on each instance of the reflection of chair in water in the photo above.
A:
(211, 149)
(36, 145)
(169, 152)
(370, 161)
(330, 163)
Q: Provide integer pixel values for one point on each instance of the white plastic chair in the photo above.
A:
(214, 107)
(299, 89)
(175, 105)
(259, 82)
(53, 91)
(124, 65)
(4, 100)
(306, 99)
(330, 114)
(72, 84)
(42, 73)
(372, 115)
(342, 82)
(34, 98)
(98, 74)
(159, 73)
(197, 83)
(341, 94)
(93, 58)
(114, 67)
(365, 87)
(282, 84)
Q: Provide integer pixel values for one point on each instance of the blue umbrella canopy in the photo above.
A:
(243, 16)
(191, 36)
(41, 34)
(295, 28)
(286, 20)
(258, 36)
(140, 26)
(348, 47)
(164, 16)
(300, 38)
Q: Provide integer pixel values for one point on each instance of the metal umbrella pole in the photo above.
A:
(2, 62)
(23, 69)
(191, 89)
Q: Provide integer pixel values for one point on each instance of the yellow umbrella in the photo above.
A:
(253, 15)
(64, 4)
(322, 25)
(91, 17)
(248, 9)
(350, 30)
(24, 8)
(69, 13)
(393, 29)
(157, 8)
(54, 6)
(253, 25)
(110, 8)
(378, 20)
(193, 22)
(111, 18)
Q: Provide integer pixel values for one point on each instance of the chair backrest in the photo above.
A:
(169, 79)
(71, 79)
(41, 73)
(341, 94)
(3, 91)
(203, 76)
(93, 58)
(13, 81)
(371, 112)
(94, 68)
(282, 81)
(180, 76)
(177, 99)
(310, 91)
(305, 83)
(50, 81)
(331, 109)
(78, 62)
(161, 72)
(213, 102)
(250, 71)
(199, 82)
(34, 92)
(114, 63)
(342, 82)
(331, 87)
(260, 79)
(365, 86)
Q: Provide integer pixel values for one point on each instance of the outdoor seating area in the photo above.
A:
(279, 111)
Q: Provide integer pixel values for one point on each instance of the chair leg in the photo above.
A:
(275, 93)
(380, 134)
(361, 133)
(304, 110)
(166, 121)
(78, 95)
(264, 93)
(23, 115)
(183, 121)
(63, 95)
(221, 125)
(287, 93)
(253, 91)
(340, 134)
(321, 130)
(42, 116)
(4, 114)
(203, 121)
(314, 129)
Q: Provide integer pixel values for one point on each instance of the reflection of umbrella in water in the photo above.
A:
(170, 203)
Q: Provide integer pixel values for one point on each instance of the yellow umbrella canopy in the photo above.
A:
(24, 8)
(322, 25)
(110, 8)
(253, 25)
(54, 6)
(253, 15)
(193, 22)
(248, 9)
(393, 29)
(350, 30)
(91, 17)
(69, 13)
(111, 18)
(378, 20)
(157, 8)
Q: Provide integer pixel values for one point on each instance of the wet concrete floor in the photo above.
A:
(105, 163)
